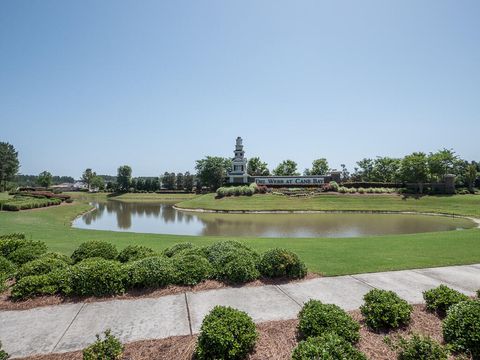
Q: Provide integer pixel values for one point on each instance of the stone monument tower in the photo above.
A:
(238, 173)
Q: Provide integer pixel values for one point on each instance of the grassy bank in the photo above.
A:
(330, 256)
(468, 205)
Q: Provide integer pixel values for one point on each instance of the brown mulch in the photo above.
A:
(7, 304)
(276, 341)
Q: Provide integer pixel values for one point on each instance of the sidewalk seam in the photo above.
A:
(287, 295)
(363, 282)
(188, 314)
(68, 327)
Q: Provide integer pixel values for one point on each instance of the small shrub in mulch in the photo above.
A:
(40, 266)
(6, 266)
(34, 285)
(227, 334)
(317, 319)
(441, 298)
(385, 310)
(420, 348)
(3, 353)
(329, 346)
(175, 249)
(150, 272)
(109, 348)
(95, 249)
(461, 327)
(282, 263)
(28, 251)
(134, 252)
(191, 269)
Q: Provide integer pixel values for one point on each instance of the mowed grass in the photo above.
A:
(328, 256)
(468, 205)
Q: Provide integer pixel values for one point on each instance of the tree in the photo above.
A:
(286, 168)
(414, 169)
(212, 170)
(345, 173)
(180, 181)
(8, 164)
(124, 177)
(443, 162)
(365, 169)
(44, 179)
(385, 169)
(256, 167)
(188, 181)
(319, 167)
(471, 176)
(168, 180)
(87, 177)
(97, 183)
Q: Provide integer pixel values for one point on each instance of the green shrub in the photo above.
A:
(3, 282)
(3, 353)
(96, 276)
(226, 334)
(478, 294)
(240, 269)
(134, 252)
(316, 319)
(282, 263)
(191, 269)
(220, 252)
(11, 242)
(40, 266)
(421, 348)
(6, 266)
(151, 272)
(441, 298)
(385, 309)
(334, 185)
(57, 256)
(110, 348)
(342, 190)
(361, 190)
(94, 248)
(172, 250)
(30, 250)
(461, 327)
(329, 346)
(34, 285)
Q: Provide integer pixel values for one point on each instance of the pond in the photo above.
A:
(163, 218)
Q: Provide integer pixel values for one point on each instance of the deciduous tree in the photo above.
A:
(212, 170)
(286, 168)
(9, 164)
(414, 169)
(45, 179)
(87, 177)
(124, 177)
(319, 167)
(256, 167)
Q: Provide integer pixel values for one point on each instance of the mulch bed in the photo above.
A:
(276, 341)
(7, 304)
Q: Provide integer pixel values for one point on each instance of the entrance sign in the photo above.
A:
(290, 180)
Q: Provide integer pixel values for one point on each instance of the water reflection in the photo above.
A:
(164, 219)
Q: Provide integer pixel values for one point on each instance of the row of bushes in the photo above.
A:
(44, 194)
(19, 202)
(352, 190)
(245, 190)
(97, 268)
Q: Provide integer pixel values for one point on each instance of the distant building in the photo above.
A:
(238, 173)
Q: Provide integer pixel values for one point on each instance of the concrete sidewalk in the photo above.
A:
(71, 327)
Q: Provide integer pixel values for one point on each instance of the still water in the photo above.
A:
(162, 218)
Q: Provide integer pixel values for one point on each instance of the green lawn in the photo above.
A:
(330, 256)
(457, 204)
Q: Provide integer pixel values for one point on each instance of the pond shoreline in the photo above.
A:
(475, 220)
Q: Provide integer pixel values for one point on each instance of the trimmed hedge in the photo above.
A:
(175, 249)
(316, 319)
(421, 348)
(227, 334)
(135, 252)
(40, 266)
(191, 269)
(28, 251)
(34, 285)
(110, 348)
(27, 202)
(385, 309)
(6, 266)
(240, 269)
(97, 277)
(329, 346)
(461, 327)
(282, 263)
(441, 298)
(150, 272)
(95, 249)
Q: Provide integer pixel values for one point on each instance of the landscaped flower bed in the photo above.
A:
(96, 268)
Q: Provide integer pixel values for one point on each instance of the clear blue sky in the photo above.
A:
(159, 84)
